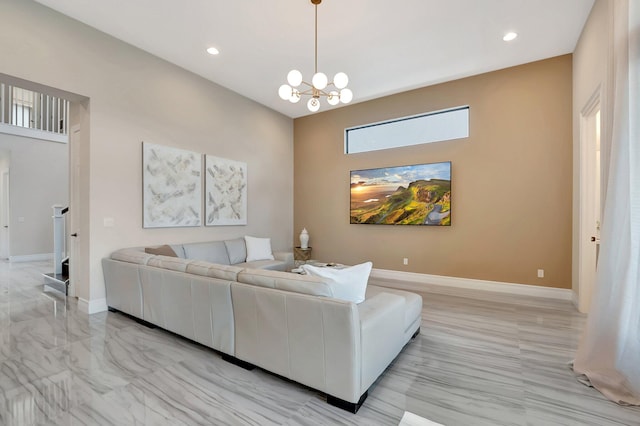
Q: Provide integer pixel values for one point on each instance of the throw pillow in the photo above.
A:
(258, 248)
(164, 250)
(346, 283)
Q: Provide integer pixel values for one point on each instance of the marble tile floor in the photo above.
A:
(477, 361)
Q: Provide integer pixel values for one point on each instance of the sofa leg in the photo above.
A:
(240, 363)
(346, 405)
(416, 333)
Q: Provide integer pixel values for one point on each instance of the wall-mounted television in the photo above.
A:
(419, 194)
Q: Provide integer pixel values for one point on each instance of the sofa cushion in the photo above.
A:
(286, 281)
(237, 250)
(273, 265)
(132, 256)
(212, 251)
(213, 270)
(346, 283)
(412, 302)
(258, 248)
(164, 250)
(168, 262)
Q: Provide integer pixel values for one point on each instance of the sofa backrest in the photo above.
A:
(210, 251)
(212, 270)
(132, 255)
(286, 281)
(168, 262)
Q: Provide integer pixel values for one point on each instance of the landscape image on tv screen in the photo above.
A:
(404, 195)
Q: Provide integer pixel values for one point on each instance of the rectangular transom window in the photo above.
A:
(430, 127)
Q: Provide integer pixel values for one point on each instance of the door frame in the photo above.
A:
(587, 249)
(5, 247)
(74, 208)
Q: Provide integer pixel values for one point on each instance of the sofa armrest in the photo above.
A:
(381, 334)
(286, 257)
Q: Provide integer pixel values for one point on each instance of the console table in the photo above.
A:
(301, 255)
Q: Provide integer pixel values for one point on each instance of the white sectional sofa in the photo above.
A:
(285, 323)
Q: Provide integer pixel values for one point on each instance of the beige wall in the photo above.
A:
(135, 97)
(592, 76)
(38, 180)
(511, 180)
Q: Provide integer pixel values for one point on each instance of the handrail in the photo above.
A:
(28, 113)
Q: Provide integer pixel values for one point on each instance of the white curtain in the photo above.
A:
(609, 352)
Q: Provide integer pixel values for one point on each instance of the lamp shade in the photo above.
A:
(313, 104)
(333, 98)
(345, 96)
(319, 80)
(284, 92)
(294, 78)
(295, 96)
(340, 80)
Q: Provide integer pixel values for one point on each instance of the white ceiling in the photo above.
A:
(384, 46)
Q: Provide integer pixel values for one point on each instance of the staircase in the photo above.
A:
(59, 279)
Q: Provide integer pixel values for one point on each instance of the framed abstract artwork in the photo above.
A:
(172, 187)
(225, 191)
(404, 195)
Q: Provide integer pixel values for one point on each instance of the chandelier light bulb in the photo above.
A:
(345, 96)
(340, 80)
(285, 92)
(295, 96)
(313, 104)
(333, 98)
(294, 78)
(319, 80)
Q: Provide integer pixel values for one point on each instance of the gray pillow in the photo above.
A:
(237, 250)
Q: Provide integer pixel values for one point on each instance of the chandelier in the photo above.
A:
(335, 91)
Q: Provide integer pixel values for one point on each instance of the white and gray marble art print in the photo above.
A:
(479, 360)
(172, 186)
(226, 191)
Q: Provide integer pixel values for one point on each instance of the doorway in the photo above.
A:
(590, 199)
(4, 206)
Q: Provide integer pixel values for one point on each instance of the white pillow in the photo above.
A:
(346, 283)
(258, 248)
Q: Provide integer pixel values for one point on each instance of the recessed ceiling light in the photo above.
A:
(510, 36)
(213, 51)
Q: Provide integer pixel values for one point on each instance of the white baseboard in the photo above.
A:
(31, 257)
(415, 281)
(92, 306)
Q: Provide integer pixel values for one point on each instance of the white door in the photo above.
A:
(4, 215)
(590, 201)
(74, 208)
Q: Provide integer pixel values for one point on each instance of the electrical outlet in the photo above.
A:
(540, 273)
(405, 261)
